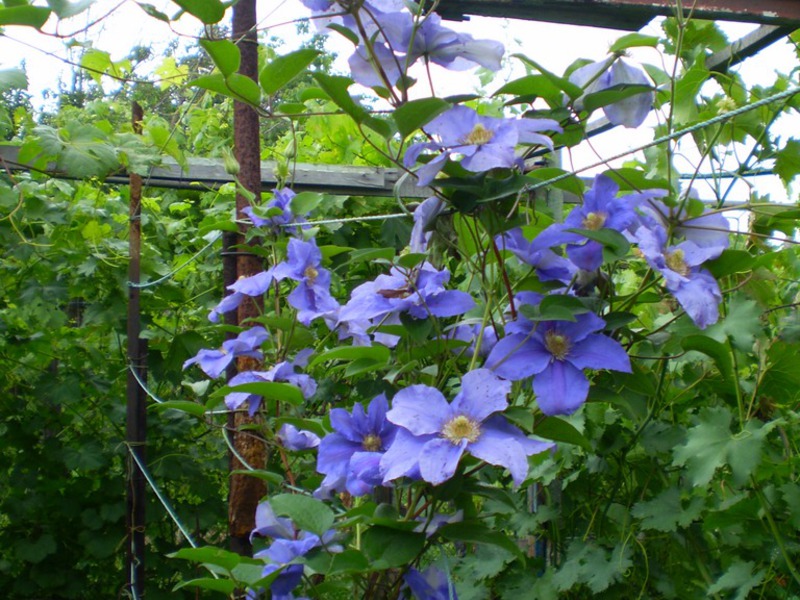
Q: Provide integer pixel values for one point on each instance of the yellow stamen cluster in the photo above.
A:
(594, 221)
(461, 428)
(557, 344)
(479, 136)
(372, 443)
(676, 261)
(310, 274)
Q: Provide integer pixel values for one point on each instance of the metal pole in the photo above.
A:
(136, 418)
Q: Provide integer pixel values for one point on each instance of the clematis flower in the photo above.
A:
(253, 286)
(214, 362)
(549, 265)
(437, 434)
(601, 75)
(296, 439)
(419, 292)
(601, 209)
(433, 584)
(709, 230)
(312, 296)
(350, 456)
(279, 208)
(469, 333)
(484, 143)
(288, 545)
(424, 217)
(282, 372)
(556, 353)
(695, 289)
(227, 304)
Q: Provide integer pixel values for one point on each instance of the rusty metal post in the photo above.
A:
(136, 417)
(245, 492)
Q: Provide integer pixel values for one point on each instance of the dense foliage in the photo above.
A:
(505, 396)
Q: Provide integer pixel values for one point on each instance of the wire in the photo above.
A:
(174, 271)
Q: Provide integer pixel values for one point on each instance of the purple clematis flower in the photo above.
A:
(349, 458)
(312, 297)
(437, 434)
(214, 362)
(279, 210)
(288, 545)
(601, 75)
(433, 584)
(556, 354)
(485, 143)
(282, 372)
(601, 209)
(549, 265)
(424, 217)
(695, 289)
(419, 292)
(253, 286)
(296, 439)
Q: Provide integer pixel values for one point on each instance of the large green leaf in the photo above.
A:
(65, 9)
(283, 69)
(224, 53)
(335, 87)
(376, 353)
(613, 94)
(387, 548)
(412, 115)
(559, 430)
(13, 79)
(270, 390)
(208, 11)
(633, 40)
(29, 16)
(307, 513)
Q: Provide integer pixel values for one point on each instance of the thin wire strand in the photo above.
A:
(164, 502)
(671, 136)
(194, 257)
(347, 220)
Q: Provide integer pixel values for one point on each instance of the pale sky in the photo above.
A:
(554, 46)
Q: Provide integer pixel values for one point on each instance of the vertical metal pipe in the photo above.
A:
(136, 417)
(245, 491)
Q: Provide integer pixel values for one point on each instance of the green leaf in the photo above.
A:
(473, 532)
(531, 86)
(35, 551)
(633, 40)
(742, 325)
(387, 548)
(376, 353)
(307, 513)
(572, 90)
(65, 9)
(666, 512)
(193, 408)
(610, 95)
(28, 16)
(716, 350)
(349, 561)
(739, 578)
(614, 243)
(411, 260)
(226, 586)
(730, 262)
(268, 476)
(346, 32)
(209, 555)
(593, 566)
(153, 12)
(687, 89)
(559, 430)
(304, 202)
(270, 390)
(283, 69)
(336, 87)
(13, 79)
(787, 161)
(635, 180)
(224, 53)
(208, 11)
(412, 115)
(236, 86)
(372, 254)
(710, 445)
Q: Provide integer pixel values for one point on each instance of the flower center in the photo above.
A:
(594, 221)
(461, 428)
(479, 135)
(310, 274)
(372, 443)
(557, 344)
(677, 263)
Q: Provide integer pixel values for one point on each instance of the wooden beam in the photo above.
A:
(203, 173)
(625, 14)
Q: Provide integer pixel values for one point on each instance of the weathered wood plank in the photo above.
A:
(625, 14)
(205, 173)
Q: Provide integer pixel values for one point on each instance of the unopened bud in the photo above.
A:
(229, 161)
